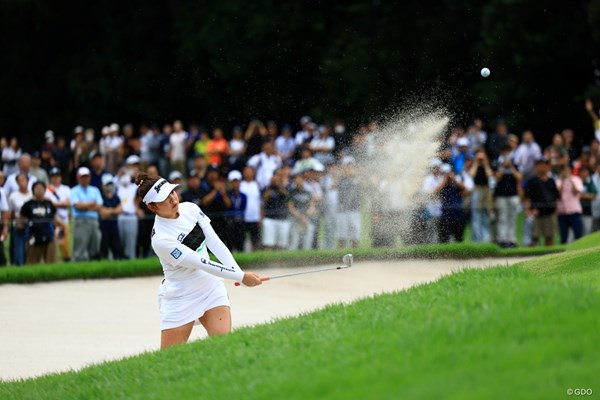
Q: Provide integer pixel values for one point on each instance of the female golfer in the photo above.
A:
(193, 290)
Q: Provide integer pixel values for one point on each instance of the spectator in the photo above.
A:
(41, 215)
(323, 146)
(451, 192)
(20, 230)
(433, 206)
(149, 145)
(589, 106)
(481, 197)
(177, 141)
(112, 149)
(304, 135)
(86, 201)
(255, 136)
(541, 195)
(97, 169)
(76, 145)
(527, 154)
(192, 192)
(588, 196)
(568, 139)
(301, 207)
(235, 214)
(164, 155)
(476, 135)
(199, 166)
(215, 200)
(24, 166)
(568, 206)
(306, 161)
(557, 154)
(312, 183)
(461, 154)
(506, 199)
(111, 210)
(63, 160)
(88, 147)
(126, 193)
(193, 137)
(36, 170)
(10, 157)
(276, 227)
(5, 213)
(131, 143)
(272, 131)
(584, 161)
(217, 148)
(237, 149)
(60, 196)
(252, 213)
(330, 206)
(348, 219)
(497, 140)
(201, 145)
(286, 146)
(343, 140)
(176, 178)
(265, 163)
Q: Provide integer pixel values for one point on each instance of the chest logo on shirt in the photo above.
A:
(180, 237)
(176, 253)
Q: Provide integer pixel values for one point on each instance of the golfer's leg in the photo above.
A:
(171, 337)
(217, 321)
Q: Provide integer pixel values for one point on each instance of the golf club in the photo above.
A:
(347, 260)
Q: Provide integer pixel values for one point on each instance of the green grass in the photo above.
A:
(257, 260)
(528, 331)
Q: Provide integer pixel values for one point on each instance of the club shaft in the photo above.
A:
(307, 272)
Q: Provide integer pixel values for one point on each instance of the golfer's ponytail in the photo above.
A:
(144, 183)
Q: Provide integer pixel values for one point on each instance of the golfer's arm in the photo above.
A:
(218, 248)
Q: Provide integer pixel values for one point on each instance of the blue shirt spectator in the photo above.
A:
(85, 194)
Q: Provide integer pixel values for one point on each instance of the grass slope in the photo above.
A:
(527, 331)
(257, 260)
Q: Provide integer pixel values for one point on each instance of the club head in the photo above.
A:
(347, 260)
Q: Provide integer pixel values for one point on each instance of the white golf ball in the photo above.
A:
(485, 72)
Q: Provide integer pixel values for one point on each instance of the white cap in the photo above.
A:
(83, 171)
(305, 119)
(114, 127)
(348, 160)
(107, 179)
(132, 159)
(159, 192)
(436, 162)
(175, 175)
(462, 141)
(233, 175)
(105, 130)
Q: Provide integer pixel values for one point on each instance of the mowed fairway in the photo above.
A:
(522, 331)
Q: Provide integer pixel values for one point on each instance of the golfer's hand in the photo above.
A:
(251, 279)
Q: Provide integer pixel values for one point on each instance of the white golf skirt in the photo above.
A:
(181, 302)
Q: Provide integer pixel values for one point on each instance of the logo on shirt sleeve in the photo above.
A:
(176, 253)
(180, 237)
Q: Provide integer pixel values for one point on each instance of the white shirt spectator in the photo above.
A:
(59, 195)
(302, 137)
(265, 166)
(525, 157)
(16, 201)
(434, 205)
(252, 192)
(177, 140)
(126, 192)
(3, 201)
(11, 186)
(10, 157)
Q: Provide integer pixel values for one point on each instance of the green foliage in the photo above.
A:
(226, 62)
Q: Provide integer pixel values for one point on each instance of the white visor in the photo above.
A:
(159, 192)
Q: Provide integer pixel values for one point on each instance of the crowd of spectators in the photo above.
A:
(270, 186)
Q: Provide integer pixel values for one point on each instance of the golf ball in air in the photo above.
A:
(485, 72)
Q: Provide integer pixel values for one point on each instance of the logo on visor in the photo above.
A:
(157, 187)
(176, 253)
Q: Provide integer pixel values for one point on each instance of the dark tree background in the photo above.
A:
(92, 63)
